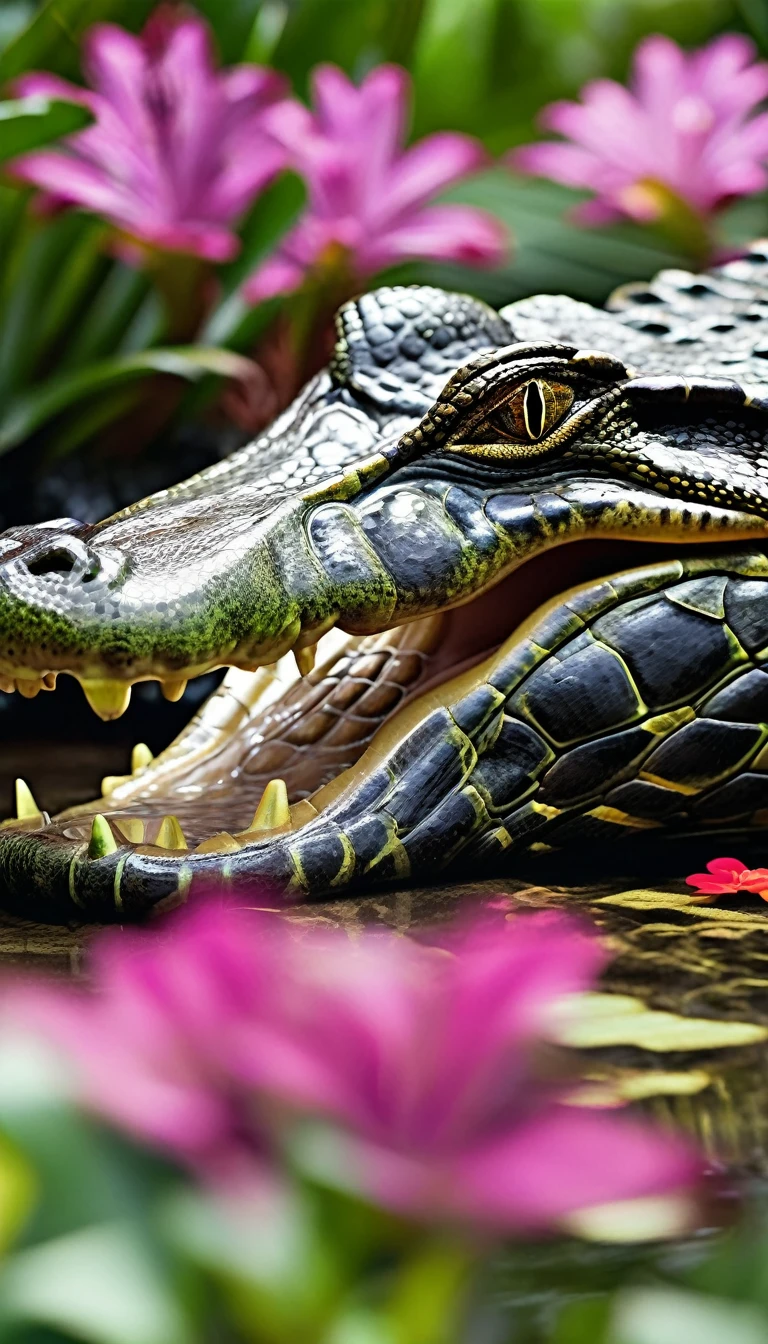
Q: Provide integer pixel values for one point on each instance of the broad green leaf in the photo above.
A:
(234, 322)
(454, 37)
(103, 322)
(14, 16)
(355, 34)
(671, 1316)
(28, 411)
(550, 254)
(429, 1293)
(18, 1189)
(101, 1285)
(36, 269)
(232, 23)
(26, 123)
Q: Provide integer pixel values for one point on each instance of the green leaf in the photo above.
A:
(26, 123)
(233, 322)
(18, 1190)
(351, 33)
(668, 1316)
(28, 411)
(100, 1284)
(37, 269)
(52, 40)
(231, 23)
(454, 36)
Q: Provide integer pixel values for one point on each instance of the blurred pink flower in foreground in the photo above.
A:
(369, 197)
(426, 1068)
(727, 876)
(685, 124)
(177, 151)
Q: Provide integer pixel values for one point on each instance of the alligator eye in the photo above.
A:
(532, 411)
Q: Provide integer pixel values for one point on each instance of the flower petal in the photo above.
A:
(566, 1160)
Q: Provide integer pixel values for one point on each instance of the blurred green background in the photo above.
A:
(484, 67)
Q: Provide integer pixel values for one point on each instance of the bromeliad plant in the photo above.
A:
(360, 1124)
(176, 155)
(205, 213)
(683, 141)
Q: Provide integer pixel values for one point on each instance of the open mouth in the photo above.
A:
(435, 536)
(271, 751)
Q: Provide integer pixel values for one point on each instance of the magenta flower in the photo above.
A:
(685, 126)
(369, 198)
(177, 151)
(729, 876)
(419, 1070)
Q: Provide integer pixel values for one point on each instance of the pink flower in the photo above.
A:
(686, 123)
(419, 1070)
(369, 197)
(729, 875)
(177, 151)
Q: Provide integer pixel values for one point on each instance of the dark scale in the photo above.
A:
(582, 689)
(743, 700)
(594, 744)
(674, 653)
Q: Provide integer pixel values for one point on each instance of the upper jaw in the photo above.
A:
(404, 548)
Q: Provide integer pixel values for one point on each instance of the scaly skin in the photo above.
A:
(406, 482)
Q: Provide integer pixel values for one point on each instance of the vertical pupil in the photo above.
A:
(533, 410)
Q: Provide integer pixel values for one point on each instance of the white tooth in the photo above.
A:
(170, 835)
(8, 685)
(26, 807)
(141, 757)
(173, 688)
(29, 687)
(305, 659)
(132, 828)
(108, 699)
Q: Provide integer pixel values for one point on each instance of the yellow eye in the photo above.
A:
(532, 411)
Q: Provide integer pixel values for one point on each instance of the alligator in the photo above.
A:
(496, 583)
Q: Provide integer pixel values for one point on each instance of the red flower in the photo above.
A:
(729, 875)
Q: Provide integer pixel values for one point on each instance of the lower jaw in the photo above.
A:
(200, 810)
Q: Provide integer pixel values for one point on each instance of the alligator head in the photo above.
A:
(451, 471)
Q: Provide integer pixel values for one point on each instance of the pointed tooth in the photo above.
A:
(273, 810)
(141, 757)
(8, 685)
(111, 782)
(170, 835)
(305, 659)
(102, 840)
(132, 829)
(29, 687)
(223, 843)
(26, 807)
(108, 699)
(174, 688)
(49, 681)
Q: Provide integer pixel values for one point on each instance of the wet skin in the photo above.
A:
(453, 470)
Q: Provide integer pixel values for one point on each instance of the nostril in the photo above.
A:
(54, 562)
